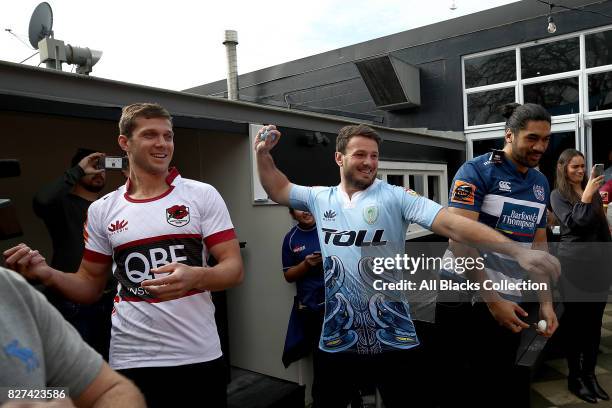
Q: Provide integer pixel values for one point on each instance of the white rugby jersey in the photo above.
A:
(138, 235)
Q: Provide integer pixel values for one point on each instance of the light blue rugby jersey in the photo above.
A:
(512, 203)
(352, 232)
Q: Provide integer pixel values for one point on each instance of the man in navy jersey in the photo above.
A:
(302, 264)
(503, 190)
(155, 234)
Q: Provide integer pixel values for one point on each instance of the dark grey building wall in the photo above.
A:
(330, 82)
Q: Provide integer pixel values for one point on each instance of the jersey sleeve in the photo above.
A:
(216, 223)
(287, 255)
(301, 198)
(69, 361)
(467, 189)
(418, 209)
(97, 245)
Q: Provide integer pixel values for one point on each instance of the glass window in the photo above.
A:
(416, 183)
(598, 49)
(483, 107)
(600, 91)
(395, 179)
(433, 188)
(480, 147)
(559, 97)
(490, 69)
(550, 58)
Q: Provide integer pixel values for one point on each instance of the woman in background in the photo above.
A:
(585, 274)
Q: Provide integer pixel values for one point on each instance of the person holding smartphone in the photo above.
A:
(302, 264)
(585, 277)
(62, 205)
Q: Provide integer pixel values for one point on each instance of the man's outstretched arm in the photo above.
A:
(464, 230)
(275, 183)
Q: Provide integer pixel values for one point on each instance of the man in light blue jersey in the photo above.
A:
(504, 191)
(368, 337)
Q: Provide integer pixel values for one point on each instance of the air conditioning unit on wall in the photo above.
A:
(392, 83)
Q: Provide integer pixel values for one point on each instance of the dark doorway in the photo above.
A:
(602, 142)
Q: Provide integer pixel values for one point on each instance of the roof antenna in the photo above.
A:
(54, 52)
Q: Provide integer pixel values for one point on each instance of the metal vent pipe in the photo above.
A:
(231, 41)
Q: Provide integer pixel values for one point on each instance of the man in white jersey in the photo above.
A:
(156, 233)
(368, 337)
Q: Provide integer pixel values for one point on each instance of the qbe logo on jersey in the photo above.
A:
(177, 215)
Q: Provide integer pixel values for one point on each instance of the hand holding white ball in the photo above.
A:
(542, 325)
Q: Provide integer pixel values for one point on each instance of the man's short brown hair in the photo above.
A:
(346, 133)
(130, 113)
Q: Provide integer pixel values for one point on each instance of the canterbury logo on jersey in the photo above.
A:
(134, 263)
(348, 238)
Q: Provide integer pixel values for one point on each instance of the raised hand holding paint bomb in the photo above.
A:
(267, 138)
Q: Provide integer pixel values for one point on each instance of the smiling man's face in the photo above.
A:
(359, 164)
(151, 146)
(530, 144)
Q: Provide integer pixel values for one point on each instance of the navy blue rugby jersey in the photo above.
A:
(508, 201)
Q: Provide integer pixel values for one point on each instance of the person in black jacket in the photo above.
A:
(62, 205)
(585, 273)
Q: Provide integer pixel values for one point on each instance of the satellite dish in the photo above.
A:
(41, 23)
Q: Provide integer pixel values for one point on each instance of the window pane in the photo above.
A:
(550, 58)
(600, 91)
(490, 69)
(433, 188)
(558, 97)
(480, 147)
(483, 107)
(396, 179)
(598, 49)
(416, 183)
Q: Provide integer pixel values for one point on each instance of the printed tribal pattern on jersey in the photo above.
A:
(507, 201)
(352, 232)
(138, 236)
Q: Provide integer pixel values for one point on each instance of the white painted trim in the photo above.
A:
(491, 87)
(551, 77)
(598, 70)
(395, 165)
(421, 169)
(258, 193)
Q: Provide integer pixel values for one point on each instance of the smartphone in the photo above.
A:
(316, 253)
(598, 170)
(112, 163)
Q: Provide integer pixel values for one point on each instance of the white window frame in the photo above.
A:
(422, 169)
(559, 124)
(582, 73)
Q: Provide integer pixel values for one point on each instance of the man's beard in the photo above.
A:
(523, 160)
(92, 188)
(358, 184)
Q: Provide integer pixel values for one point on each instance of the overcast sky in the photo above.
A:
(178, 44)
